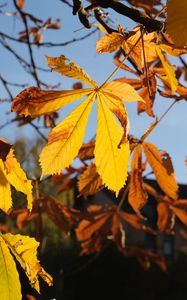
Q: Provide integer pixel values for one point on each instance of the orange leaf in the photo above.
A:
(137, 196)
(162, 169)
(109, 42)
(166, 219)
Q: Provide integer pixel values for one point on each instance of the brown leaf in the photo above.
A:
(162, 170)
(90, 181)
(145, 258)
(87, 151)
(61, 215)
(137, 196)
(180, 210)
(165, 221)
(136, 222)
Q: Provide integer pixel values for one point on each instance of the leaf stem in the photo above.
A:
(118, 67)
(158, 121)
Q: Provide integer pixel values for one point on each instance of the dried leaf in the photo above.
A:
(35, 102)
(137, 196)
(165, 221)
(17, 178)
(90, 182)
(164, 175)
(66, 67)
(169, 70)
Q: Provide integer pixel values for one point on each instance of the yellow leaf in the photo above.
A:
(162, 169)
(172, 49)
(121, 90)
(24, 249)
(116, 106)
(66, 139)
(137, 196)
(67, 67)
(90, 182)
(5, 190)
(35, 102)
(177, 21)
(137, 53)
(169, 70)
(109, 42)
(111, 161)
(17, 177)
(9, 278)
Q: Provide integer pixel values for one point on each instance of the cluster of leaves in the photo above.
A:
(104, 159)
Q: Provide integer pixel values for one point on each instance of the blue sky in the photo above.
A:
(170, 135)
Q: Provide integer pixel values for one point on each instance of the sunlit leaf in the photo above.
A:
(137, 196)
(24, 250)
(35, 102)
(9, 278)
(166, 220)
(164, 173)
(121, 90)
(17, 177)
(169, 70)
(110, 159)
(109, 42)
(66, 139)
(172, 49)
(5, 190)
(67, 67)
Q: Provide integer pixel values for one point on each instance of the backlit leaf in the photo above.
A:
(116, 106)
(137, 196)
(9, 278)
(164, 174)
(177, 21)
(66, 139)
(109, 42)
(121, 90)
(67, 67)
(109, 159)
(165, 221)
(35, 102)
(5, 190)
(90, 182)
(24, 249)
(172, 49)
(17, 177)
(169, 70)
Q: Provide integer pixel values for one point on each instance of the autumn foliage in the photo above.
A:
(113, 159)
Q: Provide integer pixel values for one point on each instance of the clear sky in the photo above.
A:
(170, 135)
